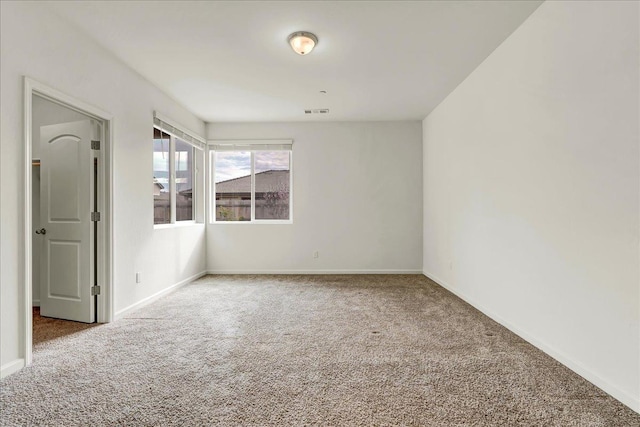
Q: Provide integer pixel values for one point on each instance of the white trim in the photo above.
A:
(35, 303)
(209, 186)
(11, 367)
(256, 222)
(65, 100)
(27, 324)
(624, 397)
(106, 271)
(252, 178)
(290, 220)
(152, 298)
(314, 272)
(172, 180)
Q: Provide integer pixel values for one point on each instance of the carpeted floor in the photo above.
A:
(301, 350)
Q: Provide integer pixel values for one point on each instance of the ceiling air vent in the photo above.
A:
(317, 111)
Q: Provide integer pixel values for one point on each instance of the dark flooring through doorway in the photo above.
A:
(47, 329)
(349, 350)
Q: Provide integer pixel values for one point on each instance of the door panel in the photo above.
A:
(65, 177)
(64, 282)
(66, 202)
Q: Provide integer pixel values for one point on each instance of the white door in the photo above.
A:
(66, 203)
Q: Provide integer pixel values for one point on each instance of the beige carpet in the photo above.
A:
(302, 350)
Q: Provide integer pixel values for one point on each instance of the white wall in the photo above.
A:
(44, 113)
(38, 44)
(357, 192)
(531, 189)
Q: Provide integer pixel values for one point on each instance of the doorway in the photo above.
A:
(65, 193)
(68, 210)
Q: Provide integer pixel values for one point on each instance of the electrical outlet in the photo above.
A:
(138, 277)
(316, 254)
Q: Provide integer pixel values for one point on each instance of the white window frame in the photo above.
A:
(253, 146)
(175, 131)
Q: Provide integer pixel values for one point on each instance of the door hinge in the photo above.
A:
(95, 216)
(95, 290)
(95, 145)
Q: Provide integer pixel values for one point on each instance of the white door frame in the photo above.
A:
(105, 204)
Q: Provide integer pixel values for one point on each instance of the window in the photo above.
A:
(252, 182)
(232, 170)
(272, 178)
(184, 181)
(161, 178)
(174, 174)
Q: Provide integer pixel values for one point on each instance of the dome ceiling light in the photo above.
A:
(303, 42)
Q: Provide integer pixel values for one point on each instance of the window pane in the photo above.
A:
(272, 184)
(233, 185)
(184, 181)
(161, 187)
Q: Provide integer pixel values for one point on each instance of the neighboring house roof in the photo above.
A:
(271, 180)
(157, 188)
(155, 181)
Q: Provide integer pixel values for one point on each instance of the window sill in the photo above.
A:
(274, 222)
(179, 224)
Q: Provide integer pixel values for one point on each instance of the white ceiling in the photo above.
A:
(230, 61)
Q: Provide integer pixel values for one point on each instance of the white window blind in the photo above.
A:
(176, 130)
(251, 145)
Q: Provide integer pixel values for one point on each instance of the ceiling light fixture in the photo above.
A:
(303, 42)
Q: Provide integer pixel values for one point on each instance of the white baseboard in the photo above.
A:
(11, 367)
(314, 272)
(148, 300)
(35, 303)
(631, 401)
